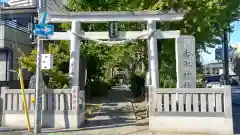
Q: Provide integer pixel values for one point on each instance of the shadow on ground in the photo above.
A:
(95, 128)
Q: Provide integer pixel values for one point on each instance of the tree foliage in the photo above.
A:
(204, 19)
(59, 73)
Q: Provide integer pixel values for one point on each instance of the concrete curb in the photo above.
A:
(5, 129)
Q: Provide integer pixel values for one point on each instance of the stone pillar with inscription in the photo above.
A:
(185, 62)
(75, 116)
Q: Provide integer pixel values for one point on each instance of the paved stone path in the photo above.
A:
(116, 117)
(116, 111)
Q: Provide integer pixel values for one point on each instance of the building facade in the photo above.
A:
(14, 34)
(12, 37)
(52, 5)
(18, 3)
(216, 68)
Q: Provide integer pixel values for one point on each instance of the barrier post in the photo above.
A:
(24, 97)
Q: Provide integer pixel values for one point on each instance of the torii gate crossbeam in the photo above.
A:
(122, 16)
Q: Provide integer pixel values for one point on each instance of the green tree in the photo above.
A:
(204, 19)
(59, 73)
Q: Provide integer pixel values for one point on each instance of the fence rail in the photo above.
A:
(52, 100)
(15, 25)
(195, 110)
(57, 109)
(212, 101)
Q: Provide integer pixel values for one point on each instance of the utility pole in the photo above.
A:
(225, 58)
(38, 103)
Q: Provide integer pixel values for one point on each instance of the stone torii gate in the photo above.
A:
(76, 35)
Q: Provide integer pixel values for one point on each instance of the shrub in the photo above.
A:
(200, 81)
(167, 81)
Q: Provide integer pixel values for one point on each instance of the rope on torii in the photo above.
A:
(112, 42)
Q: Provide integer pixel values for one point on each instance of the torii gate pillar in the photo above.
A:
(153, 54)
(74, 55)
(77, 95)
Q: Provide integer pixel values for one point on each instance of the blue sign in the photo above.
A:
(44, 30)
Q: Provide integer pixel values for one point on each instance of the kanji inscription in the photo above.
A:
(186, 62)
(187, 53)
(187, 75)
(75, 101)
(186, 85)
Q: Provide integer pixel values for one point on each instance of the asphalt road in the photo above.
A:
(236, 109)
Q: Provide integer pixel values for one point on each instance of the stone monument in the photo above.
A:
(185, 61)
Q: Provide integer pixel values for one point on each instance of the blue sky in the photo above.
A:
(234, 39)
(3, 0)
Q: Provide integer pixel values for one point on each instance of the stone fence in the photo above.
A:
(57, 110)
(195, 110)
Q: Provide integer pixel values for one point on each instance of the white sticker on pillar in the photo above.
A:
(185, 62)
(75, 100)
(81, 101)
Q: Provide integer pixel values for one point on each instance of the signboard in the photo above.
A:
(113, 30)
(47, 61)
(186, 62)
(44, 30)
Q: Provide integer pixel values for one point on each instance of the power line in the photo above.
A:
(61, 6)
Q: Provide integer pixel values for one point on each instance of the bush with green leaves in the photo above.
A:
(58, 75)
(201, 80)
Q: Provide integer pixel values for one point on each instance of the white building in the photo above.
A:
(213, 68)
(18, 3)
(52, 5)
(216, 69)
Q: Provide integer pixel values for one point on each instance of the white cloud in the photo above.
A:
(235, 45)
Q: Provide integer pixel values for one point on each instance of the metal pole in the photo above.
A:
(225, 54)
(153, 54)
(38, 108)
